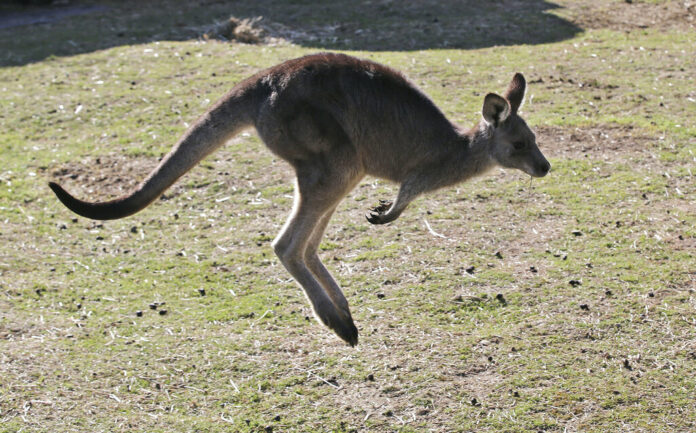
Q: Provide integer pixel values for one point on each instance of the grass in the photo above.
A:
(613, 108)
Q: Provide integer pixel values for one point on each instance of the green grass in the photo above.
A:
(614, 112)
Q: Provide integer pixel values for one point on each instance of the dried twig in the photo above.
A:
(433, 232)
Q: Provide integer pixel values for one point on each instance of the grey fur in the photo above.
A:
(335, 119)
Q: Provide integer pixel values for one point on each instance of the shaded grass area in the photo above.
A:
(360, 25)
(566, 304)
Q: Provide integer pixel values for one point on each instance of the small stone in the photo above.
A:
(576, 233)
(139, 313)
(500, 298)
(470, 270)
(574, 283)
(153, 306)
(475, 402)
(499, 255)
(134, 229)
(608, 292)
(627, 365)
(533, 270)
(585, 307)
(371, 377)
(651, 295)
(201, 292)
(515, 394)
(380, 295)
(162, 312)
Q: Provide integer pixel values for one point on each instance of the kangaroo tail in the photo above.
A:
(228, 116)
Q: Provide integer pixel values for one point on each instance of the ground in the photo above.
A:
(561, 304)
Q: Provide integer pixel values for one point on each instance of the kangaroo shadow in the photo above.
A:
(31, 34)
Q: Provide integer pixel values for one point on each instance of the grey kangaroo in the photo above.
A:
(335, 119)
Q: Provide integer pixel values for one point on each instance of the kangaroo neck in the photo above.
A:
(475, 157)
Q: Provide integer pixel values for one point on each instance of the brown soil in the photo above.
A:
(105, 176)
(631, 14)
(608, 143)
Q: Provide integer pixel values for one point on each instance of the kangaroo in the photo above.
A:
(335, 119)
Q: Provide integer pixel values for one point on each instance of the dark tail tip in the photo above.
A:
(68, 200)
(62, 194)
(97, 211)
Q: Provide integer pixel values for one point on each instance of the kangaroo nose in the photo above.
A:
(545, 168)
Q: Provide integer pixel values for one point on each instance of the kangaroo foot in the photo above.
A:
(378, 214)
(341, 322)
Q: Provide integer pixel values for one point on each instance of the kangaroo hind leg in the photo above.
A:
(319, 270)
(316, 196)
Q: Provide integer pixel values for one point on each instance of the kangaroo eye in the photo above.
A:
(519, 145)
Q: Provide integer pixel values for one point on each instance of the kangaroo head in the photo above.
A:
(512, 143)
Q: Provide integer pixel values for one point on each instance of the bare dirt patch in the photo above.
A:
(105, 176)
(609, 143)
(631, 15)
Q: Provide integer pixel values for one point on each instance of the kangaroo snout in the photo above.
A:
(538, 166)
(543, 169)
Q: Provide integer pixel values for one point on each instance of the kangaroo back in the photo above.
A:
(226, 118)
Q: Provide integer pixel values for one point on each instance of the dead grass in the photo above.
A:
(234, 29)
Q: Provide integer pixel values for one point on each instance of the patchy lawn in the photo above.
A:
(562, 304)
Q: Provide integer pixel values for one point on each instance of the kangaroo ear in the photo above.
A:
(515, 92)
(495, 109)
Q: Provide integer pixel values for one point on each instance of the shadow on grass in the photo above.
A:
(370, 25)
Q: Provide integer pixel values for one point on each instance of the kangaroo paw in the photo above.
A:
(378, 214)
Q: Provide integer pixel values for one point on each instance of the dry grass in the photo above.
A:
(235, 29)
(440, 350)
